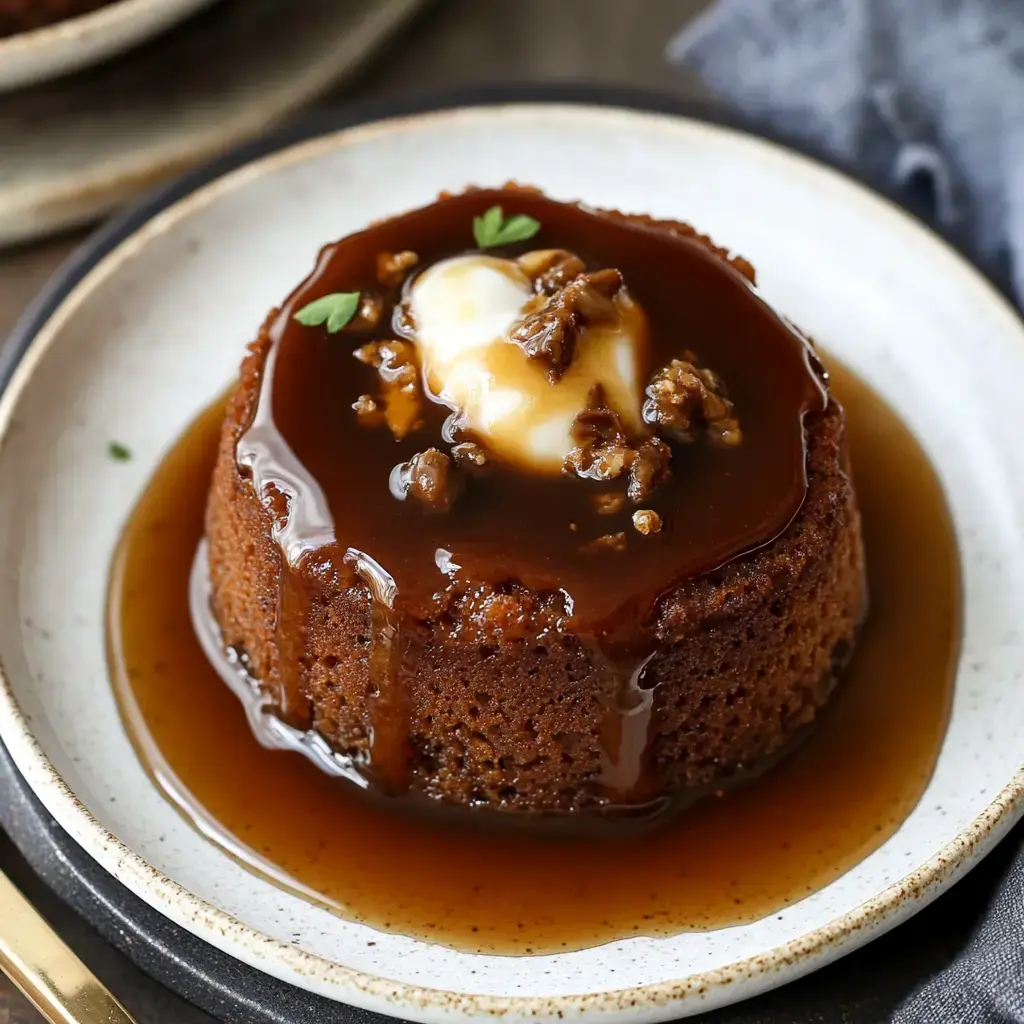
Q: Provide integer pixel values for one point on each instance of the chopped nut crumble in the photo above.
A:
(368, 411)
(682, 398)
(604, 451)
(395, 363)
(551, 269)
(393, 266)
(552, 333)
(646, 521)
(367, 317)
(428, 477)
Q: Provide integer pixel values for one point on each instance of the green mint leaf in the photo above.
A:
(118, 452)
(486, 226)
(491, 228)
(518, 229)
(335, 310)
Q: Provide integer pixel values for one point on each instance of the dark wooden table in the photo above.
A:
(466, 42)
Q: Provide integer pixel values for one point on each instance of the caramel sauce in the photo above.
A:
(456, 880)
(328, 474)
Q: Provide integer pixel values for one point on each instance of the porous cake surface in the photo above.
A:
(517, 690)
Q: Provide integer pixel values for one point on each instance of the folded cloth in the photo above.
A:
(985, 983)
(906, 92)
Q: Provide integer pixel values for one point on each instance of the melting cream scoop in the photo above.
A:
(464, 309)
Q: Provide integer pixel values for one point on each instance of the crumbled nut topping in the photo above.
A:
(368, 412)
(607, 542)
(551, 269)
(368, 315)
(646, 521)
(682, 398)
(607, 503)
(395, 363)
(649, 468)
(603, 451)
(552, 332)
(428, 477)
(392, 266)
(469, 455)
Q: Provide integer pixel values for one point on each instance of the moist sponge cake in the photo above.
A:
(585, 669)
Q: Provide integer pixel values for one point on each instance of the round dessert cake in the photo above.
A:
(527, 505)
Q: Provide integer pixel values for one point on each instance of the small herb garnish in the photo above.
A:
(335, 310)
(118, 452)
(492, 229)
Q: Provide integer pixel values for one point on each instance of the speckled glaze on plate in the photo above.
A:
(75, 43)
(72, 150)
(156, 327)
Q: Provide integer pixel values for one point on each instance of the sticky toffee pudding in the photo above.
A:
(533, 520)
(524, 505)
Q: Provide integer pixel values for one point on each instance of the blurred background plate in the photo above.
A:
(76, 43)
(72, 150)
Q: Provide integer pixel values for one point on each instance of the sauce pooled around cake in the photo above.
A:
(542, 509)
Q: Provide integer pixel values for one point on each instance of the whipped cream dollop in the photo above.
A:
(465, 310)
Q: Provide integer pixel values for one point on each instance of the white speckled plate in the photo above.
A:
(156, 327)
(76, 43)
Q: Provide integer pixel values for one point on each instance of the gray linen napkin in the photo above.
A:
(910, 93)
(903, 91)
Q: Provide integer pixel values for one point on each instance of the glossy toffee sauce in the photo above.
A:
(722, 862)
(340, 522)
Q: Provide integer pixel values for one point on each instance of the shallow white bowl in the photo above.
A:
(76, 43)
(156, 328)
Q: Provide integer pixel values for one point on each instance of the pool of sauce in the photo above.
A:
(304, 444)
(455, 880)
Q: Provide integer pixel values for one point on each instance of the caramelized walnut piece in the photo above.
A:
(429, 477)
(469, 455)
(551, 333)
(368, 412)
(551, 269)
(367, 316)
(646, 521)
(682, 398)
(603, 451)
(649, 467)
(395, 363)
(393, 266)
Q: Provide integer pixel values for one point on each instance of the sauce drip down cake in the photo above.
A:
(525, 505)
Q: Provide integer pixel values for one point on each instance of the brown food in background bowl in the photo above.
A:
(25, 15)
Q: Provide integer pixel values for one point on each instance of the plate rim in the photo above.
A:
(799, 955)
(100, 33)
(66, 30)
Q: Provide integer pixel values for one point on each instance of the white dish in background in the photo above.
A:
(157, 328)
(75, 43)
(74, 149)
